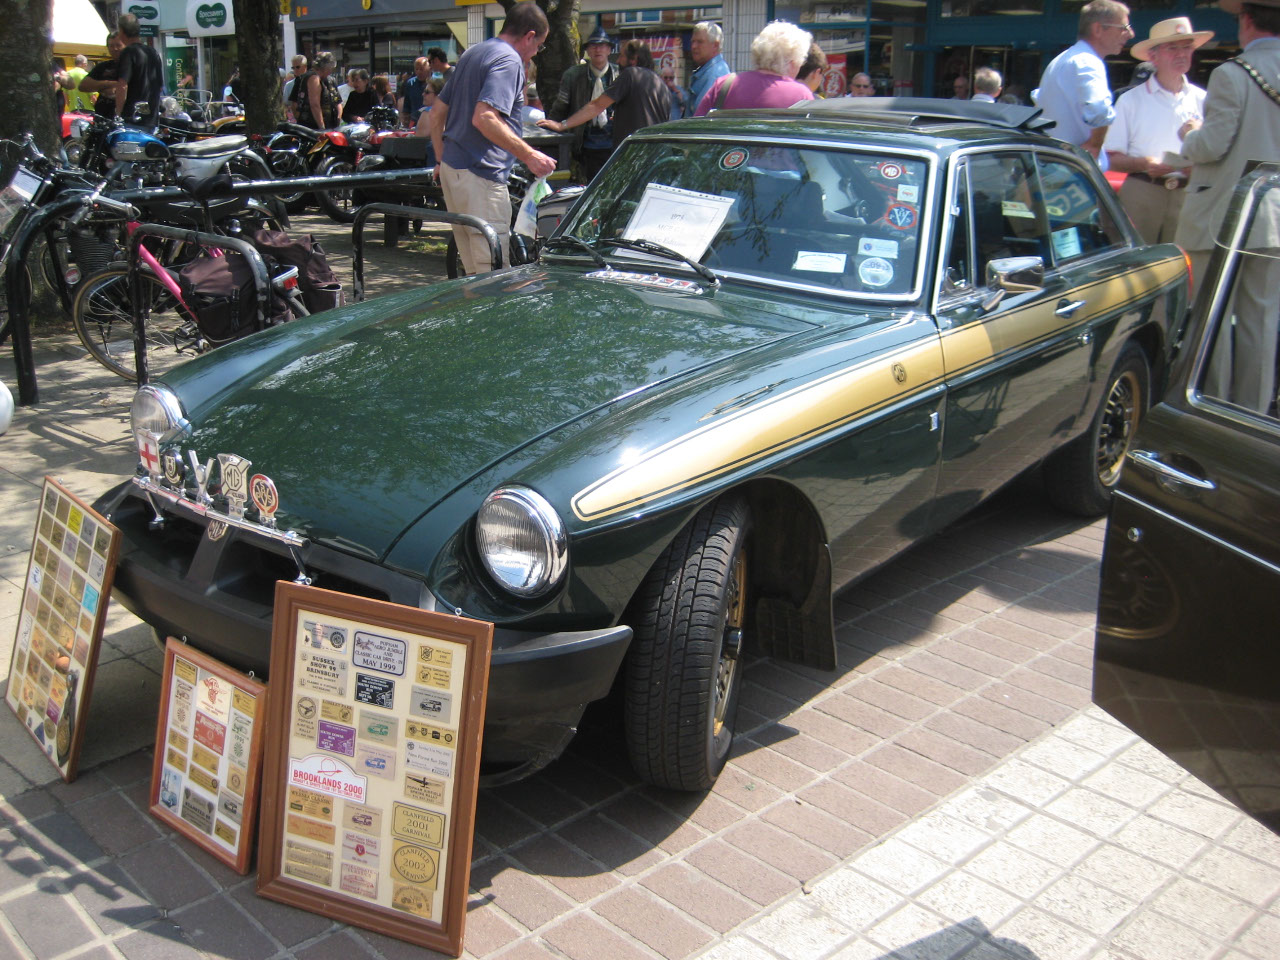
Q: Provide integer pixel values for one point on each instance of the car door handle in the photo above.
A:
(1163, 471)
(1067, 307)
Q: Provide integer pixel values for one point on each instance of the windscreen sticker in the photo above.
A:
(1016, 208)
(875, 272)
(890, 170)
(683, 220)
(875, 247)
(900, 216)
(819, 262)
(908, 193)
(732, 159)
(1066, 243)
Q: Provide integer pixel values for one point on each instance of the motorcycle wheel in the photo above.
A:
(338, 204)
(284, 165)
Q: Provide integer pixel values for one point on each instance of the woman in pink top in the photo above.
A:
(777, 52)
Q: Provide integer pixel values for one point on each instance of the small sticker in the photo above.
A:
(374, 652)
(375, 691)
(308, 863)
(363, 818)
(732, 159)
(875, 272)
(376, 761)
(310, 829)
(197, 810)
(1016, 208)
(1066, 243)
(431, 704)
(890, 170)
(417, 864)
(875, 247)
(900, 216)
(359, 881)
(311, 803)
(336, 738)
(908, 193)
(816, 261)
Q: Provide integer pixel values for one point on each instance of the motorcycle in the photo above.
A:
(340, 151)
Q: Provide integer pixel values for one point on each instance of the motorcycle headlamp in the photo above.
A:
(522, 541)
(157, 410)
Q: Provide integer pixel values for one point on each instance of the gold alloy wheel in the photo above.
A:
(731, 645)
(1119, 421)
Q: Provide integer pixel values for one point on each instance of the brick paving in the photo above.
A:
(948, 791)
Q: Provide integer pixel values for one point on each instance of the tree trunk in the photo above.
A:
(261, 54)
(563, 42)
(27, 77)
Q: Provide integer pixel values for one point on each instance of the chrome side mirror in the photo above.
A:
(1013, 275)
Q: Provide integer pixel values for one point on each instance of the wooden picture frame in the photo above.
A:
(208, 762)
(60, 622)
(372, 763)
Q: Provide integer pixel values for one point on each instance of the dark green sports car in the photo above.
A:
(764, 352)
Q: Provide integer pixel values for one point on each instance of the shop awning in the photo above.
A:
(77, 28)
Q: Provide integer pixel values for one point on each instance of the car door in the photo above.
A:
(1187, 652)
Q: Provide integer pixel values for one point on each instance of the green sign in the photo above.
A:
(211, 15)
(145, 13)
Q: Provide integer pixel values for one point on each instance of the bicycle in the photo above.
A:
(102, 309)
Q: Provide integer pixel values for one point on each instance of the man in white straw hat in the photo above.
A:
(1146, 126)
(1241, 123)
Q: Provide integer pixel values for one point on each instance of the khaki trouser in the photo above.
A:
(464, 192)
(1153, 208)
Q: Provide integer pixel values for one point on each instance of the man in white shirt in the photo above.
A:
(1146, 128)
(1073, 91)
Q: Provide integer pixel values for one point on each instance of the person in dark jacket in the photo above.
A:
(361, 98)
(319, 102)
(582, 83)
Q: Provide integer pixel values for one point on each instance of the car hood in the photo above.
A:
(367, 416)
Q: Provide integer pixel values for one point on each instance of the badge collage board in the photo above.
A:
(204, 782)
(371, 773)
(64, 606)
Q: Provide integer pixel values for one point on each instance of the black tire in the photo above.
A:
(285, 164)
(1080, 477)
(338, 204)
(683, 671)
(102, 314)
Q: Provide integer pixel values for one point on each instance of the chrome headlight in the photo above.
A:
(522, 541)
(157, 410)
(79, 128)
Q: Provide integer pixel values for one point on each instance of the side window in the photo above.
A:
(1008, 215)
(1079, 224)
(958, 267)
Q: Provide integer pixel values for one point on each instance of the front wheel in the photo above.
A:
(683, 671)
(1080, 477)
(338, 204)
(102, 313)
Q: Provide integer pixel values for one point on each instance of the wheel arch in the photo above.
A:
(1149, 338)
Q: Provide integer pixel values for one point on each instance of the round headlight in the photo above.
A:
(522, 541)
(156, 409)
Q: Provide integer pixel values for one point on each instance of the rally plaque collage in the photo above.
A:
(64, 605)
(204, 782)
(370, 776)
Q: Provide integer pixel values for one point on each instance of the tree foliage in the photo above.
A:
(260, 42)
(563, 44)
(25, 73)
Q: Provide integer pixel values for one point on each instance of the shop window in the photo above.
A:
(991, 8)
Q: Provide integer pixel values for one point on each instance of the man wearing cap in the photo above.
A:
(1073, 91)
(582, 83)
(708, 64)
(1241, 123)
(1146, 128)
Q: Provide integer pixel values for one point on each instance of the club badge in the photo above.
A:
(174, 470)
(149, 452)
(216, 530)
(235, 482)
(263, 493)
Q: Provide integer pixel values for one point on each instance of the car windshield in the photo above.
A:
(812, 216)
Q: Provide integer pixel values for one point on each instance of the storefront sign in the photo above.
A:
(210, 18)
(372, 763)
(204, 782)
(148, 14)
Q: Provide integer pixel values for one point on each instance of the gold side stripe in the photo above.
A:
(975, 344)
(764, 428)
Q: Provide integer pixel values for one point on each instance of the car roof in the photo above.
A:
(890, 122)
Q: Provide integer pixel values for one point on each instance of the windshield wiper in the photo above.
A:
(648, 246)
(570, 240)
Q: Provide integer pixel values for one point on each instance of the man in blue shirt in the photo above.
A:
(475, 131)
(1073, 90)
(411, 93)
(709, 66)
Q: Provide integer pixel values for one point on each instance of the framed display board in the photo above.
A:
(372, 762)
(64, 606)
(204, 782)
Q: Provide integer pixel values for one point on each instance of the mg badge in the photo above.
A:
(149, 452)
(263, 493)
(216, 530)
(900, 373)
(173, 468)
(235, 482)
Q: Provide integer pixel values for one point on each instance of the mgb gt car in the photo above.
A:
(764, 352)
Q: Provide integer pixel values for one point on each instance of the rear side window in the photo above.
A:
(1079, 223)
